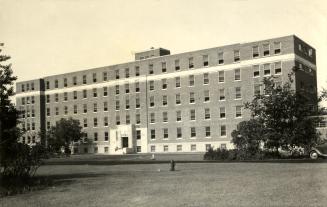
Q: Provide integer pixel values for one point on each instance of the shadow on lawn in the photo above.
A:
(17, 186)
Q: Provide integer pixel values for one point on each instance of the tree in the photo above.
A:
(63, 134)
(287, 117)
(8, 114)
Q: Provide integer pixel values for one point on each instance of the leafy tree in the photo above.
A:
(63, 134)
(8, 113)
(282, 116)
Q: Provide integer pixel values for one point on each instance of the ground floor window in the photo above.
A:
(193, 147)
(95, 149)
(179, 148)
(165, 148)
(208, 146)
(153, 148)
(223, 146)
(106, 149)
(138, 148)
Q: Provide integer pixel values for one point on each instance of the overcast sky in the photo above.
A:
(47, 37)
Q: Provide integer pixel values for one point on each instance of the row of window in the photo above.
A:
(179, 147)
(192, 132)
(127, 74)
(29, 86)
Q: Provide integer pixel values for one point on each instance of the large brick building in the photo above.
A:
(165, 103)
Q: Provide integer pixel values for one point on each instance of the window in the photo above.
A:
(266, 69)
(23, 101)
(208, 147)
(84, 93)
(237, 74)
(23, 86)
(278, 67)
(75, 94)
(105, 91)
(106, 138)
(179, 148)
(126, 72)
(207, 113)
(165, 117)
(127, 103)
(48, 111)
(95, 107)
(150, 69)
(95, 122)
(95, 136)
(223, 146)
(310, 53)
(106, 149)
(85, 108)
(137, 87)
(105, 121)
(177, 67)
(151, 83)
(66, 110)
(65, 96)
(56, 84)
(75, 109)
(151, 101)
(153, 134)
(74, 80)
(138, 134)
(257, 89)
(205, 60)
(256, 71)
(117, 105)
(137, 102)
(104, 76)
(85, 123)
(221, 94)
(65, 82)
(165, 148)
(193, 132)
(32, 100)
(94, 77)
(178, 98)
(126, 88)
(137, 71)
(190, 62)
(265, 49)
(238, 94)
(117, 89)
(178, 82)
(128, 118)
(178, 116)
(47, 85)
(105, 106)
(208, 132)
(220, 58)
(223, 130)
(163, 67)
(117, 119)
(255, 51)
(164, 100)
(222, 112)
(84, 79)
(191, 80)
(179, 133)
(221, 76)
(152, 118)
(165, 133)
(238, 111)
(192, 98)
(277, 47)
(48, 98)
(56, 97)
(206, 78)
(236, 55)
(153, 148)
(95, 93)
(32, 84)
(164, 83)
(206, 96)
(192, 114)
(138, 118)
(117, 74)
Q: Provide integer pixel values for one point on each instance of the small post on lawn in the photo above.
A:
(172, 165)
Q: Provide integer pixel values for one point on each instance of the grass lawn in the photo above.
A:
(193, 184)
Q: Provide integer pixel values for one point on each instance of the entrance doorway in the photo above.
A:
(125, 142)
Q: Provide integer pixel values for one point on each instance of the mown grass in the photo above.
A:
(193, 184)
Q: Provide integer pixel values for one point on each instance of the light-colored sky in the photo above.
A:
(47, 37)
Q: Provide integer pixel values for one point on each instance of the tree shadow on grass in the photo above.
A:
(12, 186)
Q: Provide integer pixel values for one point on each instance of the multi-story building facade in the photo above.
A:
(160, 102)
